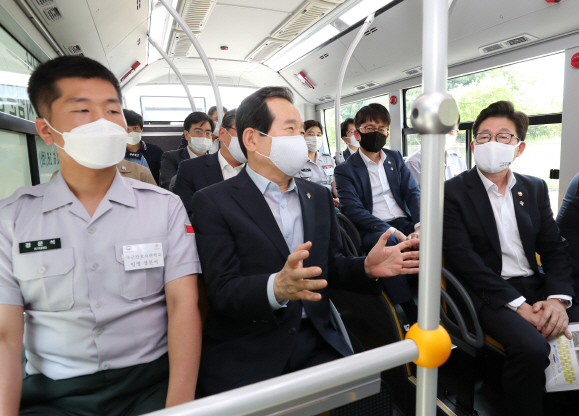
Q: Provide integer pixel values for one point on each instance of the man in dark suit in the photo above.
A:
(568, 222)
(494, 223)
(197, 131)
(269, 245)
(347, 129)
(196, 174)
(377, 192)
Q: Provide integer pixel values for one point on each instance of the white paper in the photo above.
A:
(143, 256)
(563, 371)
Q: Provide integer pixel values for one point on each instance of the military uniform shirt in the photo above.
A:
(321, 171)
(84, 312)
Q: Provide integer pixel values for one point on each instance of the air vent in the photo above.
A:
(505, 44)
(303, 18)
(413, 71)
(366, 85)
(138, 4)
(52, 14)
(44, 3)
(370, 31)
(74, 50)
(265, 50)
(195, 13)
(324, 56)
(326, 98)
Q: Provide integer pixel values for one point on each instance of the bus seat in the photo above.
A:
(348, 246)
(352, 232)
(340, 323)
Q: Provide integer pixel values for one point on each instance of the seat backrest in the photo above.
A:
(352, 232)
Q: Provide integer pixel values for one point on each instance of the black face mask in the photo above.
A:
(372, 142)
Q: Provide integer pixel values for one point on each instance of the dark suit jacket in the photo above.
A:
(355, 190)
(471, 243)
(170, 164)
(196, 174)
(568, 222)
(347, 153)
(240, 245)
(153, 155)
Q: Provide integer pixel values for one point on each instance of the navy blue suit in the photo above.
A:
(196, 174)
(472, 251)
(568, 222)
(355, 194)
(240, 245)
(347, 153)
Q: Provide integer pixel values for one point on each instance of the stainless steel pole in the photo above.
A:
(434, 52)
(201, 53)
(176, 70)
(341, 75)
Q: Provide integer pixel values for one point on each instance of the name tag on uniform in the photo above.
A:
(40, 245)
(135, 155)
(329, 170)
(143, 256)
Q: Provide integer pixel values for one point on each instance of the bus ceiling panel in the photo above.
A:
(115, 20)
(131, 49)
(285, 6)
(240, 29)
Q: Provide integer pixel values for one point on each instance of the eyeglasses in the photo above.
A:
(200, 132)
(505, 138)
(312, 134)
(370, 129)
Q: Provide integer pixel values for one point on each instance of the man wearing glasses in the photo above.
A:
(197, 131)
(494, 223)
(377, 192)
(347, 128)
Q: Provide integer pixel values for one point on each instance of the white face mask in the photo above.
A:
(216, 129)
(134, 138)
(200, 145)
(450, 140)
(96, 145)
(288, 153)
(235, 149)
(493, 157)
(353, 141)
(314, 143)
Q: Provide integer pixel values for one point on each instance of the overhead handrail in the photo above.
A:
(201, 53)
(291, 387)
(340, 81)
(176, 70)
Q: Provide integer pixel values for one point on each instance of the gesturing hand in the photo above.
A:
(291, 284)
(385, 261)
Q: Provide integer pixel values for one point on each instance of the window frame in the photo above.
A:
(14, 124)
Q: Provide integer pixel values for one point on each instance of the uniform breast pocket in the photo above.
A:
(138, 284)
(46, 279)
(306, 174)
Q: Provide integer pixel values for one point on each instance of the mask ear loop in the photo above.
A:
(62, 135)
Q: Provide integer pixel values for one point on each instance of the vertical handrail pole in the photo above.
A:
(176, 70)
(341, 75)
(434, 52)
(201, 53)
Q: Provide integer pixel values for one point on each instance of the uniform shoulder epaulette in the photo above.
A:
(325, 154)
(35, 191)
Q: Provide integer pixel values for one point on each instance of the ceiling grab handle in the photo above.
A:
(433, 114)
(201, 53)
(174, 67)
(341, 75)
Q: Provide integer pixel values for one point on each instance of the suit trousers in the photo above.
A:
(527, 351)
(396, 287)
(130, 391)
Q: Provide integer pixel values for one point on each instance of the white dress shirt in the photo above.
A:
(383, 202)
(454, 165)
(227, 170)
(515, 263)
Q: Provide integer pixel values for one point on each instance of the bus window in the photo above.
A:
(14, 165)
(346, 111)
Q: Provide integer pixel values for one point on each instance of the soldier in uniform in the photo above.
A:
(105, 267)
(320, 166)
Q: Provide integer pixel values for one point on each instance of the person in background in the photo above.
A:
(269, 309)
(197, 131)
(214, 115)
(320, 166)
(196, 174)
(104, 333)
(568, 222)
(495, 222)
(348, 130)
(454, 164)
(137, 147)
(131, 170)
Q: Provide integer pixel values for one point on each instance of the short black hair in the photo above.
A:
(195, 118)
(504, 109)
(372, 112)
(253, 111)
(308, 124)
(344, 126)
(133, 118)
(42, 89)
(229, 119)
(213, 109)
